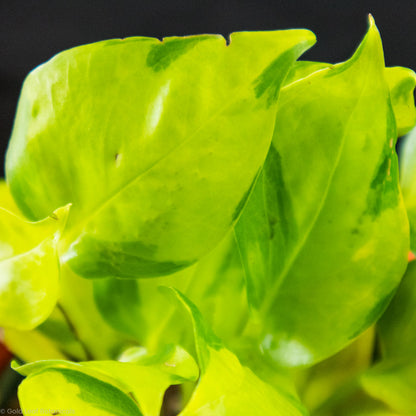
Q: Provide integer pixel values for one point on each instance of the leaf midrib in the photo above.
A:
(73, 233)
(268, 303)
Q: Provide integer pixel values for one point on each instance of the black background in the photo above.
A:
(33, 31)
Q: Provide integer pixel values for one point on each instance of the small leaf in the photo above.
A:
(143, 380)
(66, 391)
(402, 82)
(29, 268)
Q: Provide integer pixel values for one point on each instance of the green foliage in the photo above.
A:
(151, 182)
(354, 217)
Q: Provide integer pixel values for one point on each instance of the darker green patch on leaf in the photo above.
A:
(384, 188)
(99, 394)
(269, 220)
(118, 300)
(163, 54)
(244, 200)
(271, 79)
(277, 196)
(97, 259)
(374, 313)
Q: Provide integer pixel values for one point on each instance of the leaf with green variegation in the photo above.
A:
(302, 69)
(141, 381)
(68, 391)
(162, 143)
(29, 268)
(226, 388)
(324, 236)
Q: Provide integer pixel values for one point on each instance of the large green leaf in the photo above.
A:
(144, 379)
(324, 236)
(29, 268)
(226, 388)
(156, 144)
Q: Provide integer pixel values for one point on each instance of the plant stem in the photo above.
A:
(88, 355)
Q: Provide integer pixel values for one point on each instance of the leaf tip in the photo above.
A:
(371, 21)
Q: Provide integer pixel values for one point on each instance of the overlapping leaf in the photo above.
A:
(324, 236)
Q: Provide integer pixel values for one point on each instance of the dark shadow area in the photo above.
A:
(33, 31)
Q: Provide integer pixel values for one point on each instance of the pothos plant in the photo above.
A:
(218, 216)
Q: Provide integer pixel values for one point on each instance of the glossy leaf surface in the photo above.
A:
(326, 212)
(170, 137)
